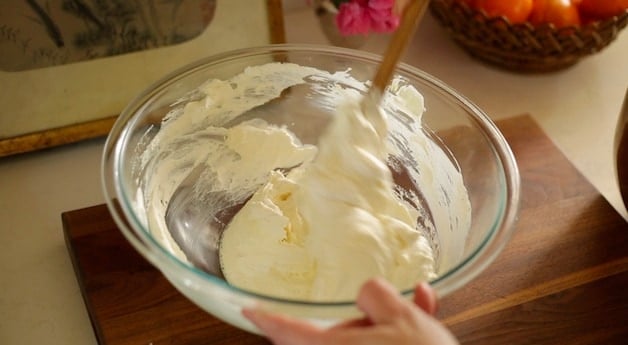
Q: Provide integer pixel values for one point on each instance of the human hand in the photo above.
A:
(389, 319)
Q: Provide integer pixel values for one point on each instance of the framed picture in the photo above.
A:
(69, 67)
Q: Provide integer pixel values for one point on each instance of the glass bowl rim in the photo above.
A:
(466, 270)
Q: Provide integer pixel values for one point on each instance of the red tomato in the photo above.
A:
(516, 11)
(561, 13)
(602, 9)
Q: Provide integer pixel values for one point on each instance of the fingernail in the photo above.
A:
(250, 313)
(255, 317)
(259, 318)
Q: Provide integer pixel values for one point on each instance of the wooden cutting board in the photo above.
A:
(562, 278)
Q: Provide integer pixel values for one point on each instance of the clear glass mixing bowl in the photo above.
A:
(463, 131)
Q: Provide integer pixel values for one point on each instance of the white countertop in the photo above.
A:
(40, 301)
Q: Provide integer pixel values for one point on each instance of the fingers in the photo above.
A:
(425, 298)
(282, 330)
(353, 323)
(380, 301)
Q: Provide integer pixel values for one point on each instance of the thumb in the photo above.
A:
(380, 301)
(425, 298)
(283, 330)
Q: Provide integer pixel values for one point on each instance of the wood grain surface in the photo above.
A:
(562, 278)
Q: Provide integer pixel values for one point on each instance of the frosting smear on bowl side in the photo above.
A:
(317, 222)
(322, 230)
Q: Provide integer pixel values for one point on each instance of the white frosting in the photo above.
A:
(319, 227)
(326, 228)
(191, 137)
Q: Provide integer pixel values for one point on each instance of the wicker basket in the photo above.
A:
(524, 47)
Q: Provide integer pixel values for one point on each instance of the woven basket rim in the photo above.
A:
(524, 46)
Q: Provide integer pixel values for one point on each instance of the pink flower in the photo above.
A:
(363, 16)
(353, 19)
(382, 17)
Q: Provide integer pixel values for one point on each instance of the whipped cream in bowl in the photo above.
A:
(306, 187)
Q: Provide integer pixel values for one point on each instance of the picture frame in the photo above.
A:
(49, 106)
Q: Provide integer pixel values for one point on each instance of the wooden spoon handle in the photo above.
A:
(410, 18)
